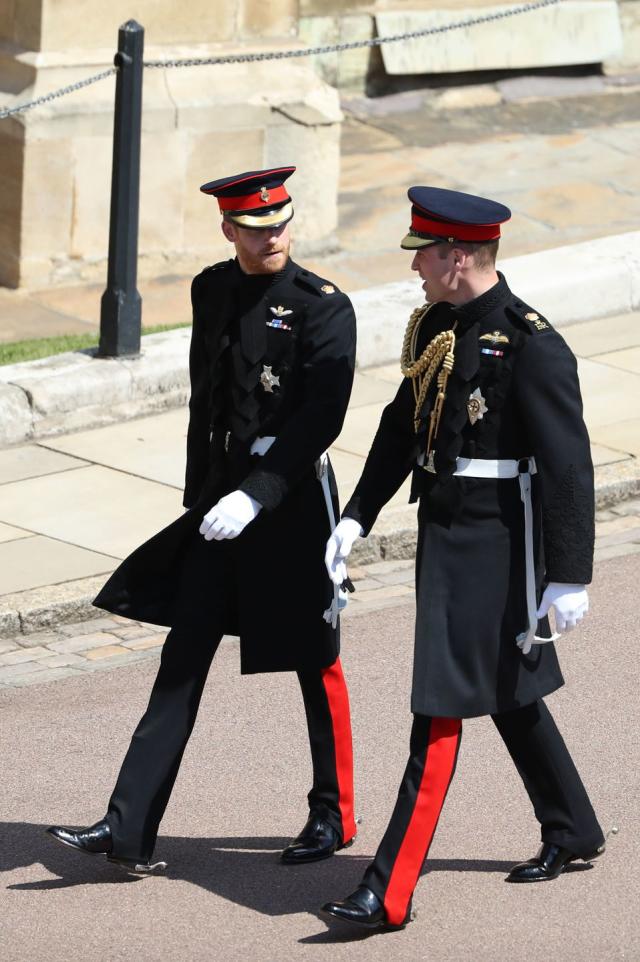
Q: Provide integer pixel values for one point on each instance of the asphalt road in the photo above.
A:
(241, 795)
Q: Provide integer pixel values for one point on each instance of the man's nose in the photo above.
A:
(414, 263)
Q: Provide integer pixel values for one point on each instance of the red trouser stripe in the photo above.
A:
(440, 759)
(338, 700)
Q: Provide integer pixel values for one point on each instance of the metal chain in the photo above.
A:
(354, 44)
(62, 92)
(285, 54)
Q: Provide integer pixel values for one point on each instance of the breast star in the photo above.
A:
(268, 379)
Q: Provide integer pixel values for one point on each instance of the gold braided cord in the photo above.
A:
(438, 356)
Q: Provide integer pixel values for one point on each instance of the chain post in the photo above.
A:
(121, 304)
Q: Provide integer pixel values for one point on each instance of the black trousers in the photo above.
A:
(151, 764)
(559, 799)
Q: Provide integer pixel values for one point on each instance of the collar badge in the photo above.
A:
(536, 320)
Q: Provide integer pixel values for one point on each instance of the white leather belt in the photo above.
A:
(523, 471)
(261, 446)
(481, 468)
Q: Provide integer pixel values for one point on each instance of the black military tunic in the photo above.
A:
(470, 565)
(271, 355)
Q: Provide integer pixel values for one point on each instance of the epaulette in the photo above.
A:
(209, 273)
(220, 266)
(317, 284)
(532, 321)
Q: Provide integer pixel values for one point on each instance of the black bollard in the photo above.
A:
(121, 305)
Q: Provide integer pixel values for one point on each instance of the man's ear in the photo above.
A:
(228, 231)
(459, 256)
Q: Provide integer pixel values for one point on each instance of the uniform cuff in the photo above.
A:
(267, 488)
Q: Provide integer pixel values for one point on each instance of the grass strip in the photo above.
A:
(17, 351)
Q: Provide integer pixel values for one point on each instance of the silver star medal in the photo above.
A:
(268, 379)
(476, 406)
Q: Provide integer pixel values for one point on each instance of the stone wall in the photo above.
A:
(54, 25)
(199, 123)
(574, 32)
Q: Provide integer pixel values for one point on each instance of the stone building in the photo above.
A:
(203, 122)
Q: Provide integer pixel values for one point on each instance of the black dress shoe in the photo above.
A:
(317, 840)
(362, 908)
(93, 840)
(550, 861)
(96, 840)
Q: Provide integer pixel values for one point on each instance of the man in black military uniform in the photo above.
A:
(489, 418)
(271, 362)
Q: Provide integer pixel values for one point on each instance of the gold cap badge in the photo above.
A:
(264, 195)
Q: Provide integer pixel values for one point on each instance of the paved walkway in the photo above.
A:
(241, 793)
(560, 152)
(71, 507)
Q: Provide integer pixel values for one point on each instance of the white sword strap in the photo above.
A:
(479, 468)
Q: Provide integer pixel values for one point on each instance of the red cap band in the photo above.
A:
(265, 197)
(463, 232)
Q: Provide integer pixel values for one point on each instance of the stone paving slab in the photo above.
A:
(144, 447)
(9, 533)
(96, 499)
(628, 359)
(607, 393)
(33, 461)
(591, 338)
(36, 561)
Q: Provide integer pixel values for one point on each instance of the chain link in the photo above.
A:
(286, 54)
(62, 92)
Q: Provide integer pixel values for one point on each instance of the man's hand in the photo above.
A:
(230, 516)
(338, 547)
(571, 603)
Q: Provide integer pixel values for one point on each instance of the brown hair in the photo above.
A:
(484, 253)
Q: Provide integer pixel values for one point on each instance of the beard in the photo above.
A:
(267, 260)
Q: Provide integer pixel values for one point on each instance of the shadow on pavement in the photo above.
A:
(246, 871)
(243, 870)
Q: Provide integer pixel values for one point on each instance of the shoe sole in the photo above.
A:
(134, 868)
(363, 926)
(316, 858)
(552, 878)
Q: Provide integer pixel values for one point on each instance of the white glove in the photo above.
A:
(571, 603)
(338, 547)
(230, 516)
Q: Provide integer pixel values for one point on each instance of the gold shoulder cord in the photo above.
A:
(438, 354)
